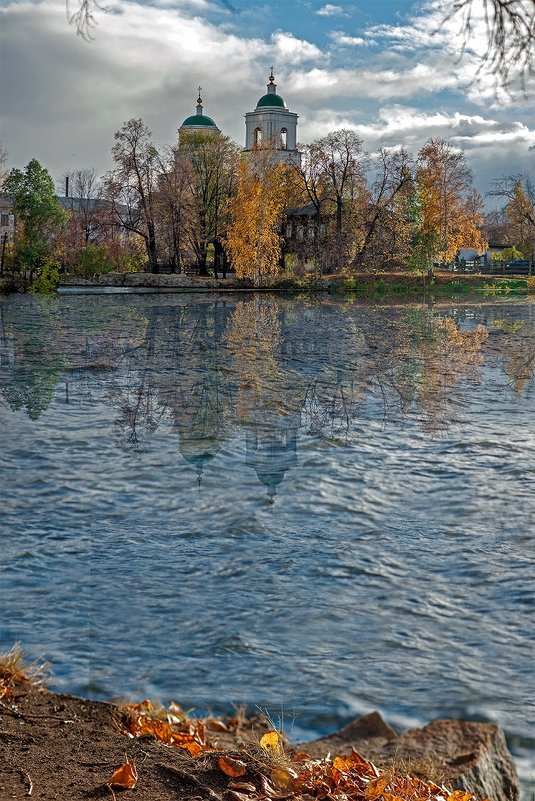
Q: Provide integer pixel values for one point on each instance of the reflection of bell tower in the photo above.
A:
(271, 451)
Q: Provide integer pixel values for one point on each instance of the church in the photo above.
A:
(271, 124)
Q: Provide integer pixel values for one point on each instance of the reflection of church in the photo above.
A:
(272, 451)
(270, 124)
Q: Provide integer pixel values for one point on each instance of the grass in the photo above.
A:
(15, 669)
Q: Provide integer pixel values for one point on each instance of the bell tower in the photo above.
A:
(272, 125)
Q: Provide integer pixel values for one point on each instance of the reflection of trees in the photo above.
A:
(34, 358)
(203, 369)
(432, 356)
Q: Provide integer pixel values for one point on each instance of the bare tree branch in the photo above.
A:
(83, 18)
(510, 27)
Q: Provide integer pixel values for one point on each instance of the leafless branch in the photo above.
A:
(83, 18)
(510, 26)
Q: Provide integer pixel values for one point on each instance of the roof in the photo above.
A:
(198, 121)
(302, 211)
(271, 99)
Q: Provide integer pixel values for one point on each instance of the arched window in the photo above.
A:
(258, 136)
(284, 138)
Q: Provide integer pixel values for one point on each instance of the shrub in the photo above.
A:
(48, 278)
(92, 260)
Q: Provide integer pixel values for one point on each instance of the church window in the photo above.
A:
(289, 231)
(300, 233)
(284, 138)
(258, 136)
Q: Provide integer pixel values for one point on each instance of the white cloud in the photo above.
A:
(330, 10)
(290, 50)
(343, 40)
(63, 99)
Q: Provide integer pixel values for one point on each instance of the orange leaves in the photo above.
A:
(232, 767)
(461, 795)
(171, 727)
(125, 777)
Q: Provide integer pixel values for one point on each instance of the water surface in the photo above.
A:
(314, 506)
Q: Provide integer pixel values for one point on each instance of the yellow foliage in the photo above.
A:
(451, 212)
(253, 239)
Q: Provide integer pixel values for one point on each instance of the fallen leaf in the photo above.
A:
(271, 742)
(284, 778)
(232, 767)
(247, 787)
(124, 777)
(460, 795)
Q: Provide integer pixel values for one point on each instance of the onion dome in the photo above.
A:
(199, 120)
(271, 98)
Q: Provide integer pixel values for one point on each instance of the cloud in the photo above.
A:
(330, 10)
(63, 99)
(290, 50)
(343, 40)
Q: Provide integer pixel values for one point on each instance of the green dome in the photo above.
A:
(196, 120)
(271, 100)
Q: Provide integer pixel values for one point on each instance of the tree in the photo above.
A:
(510, 26)
(38, 213)
(132, 186)
(519, 210)
(174, 208)
(449, 212)
(209, 162)
(388, 219)
(253, 238)
(3, 160)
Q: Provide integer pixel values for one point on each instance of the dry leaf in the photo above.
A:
(124, 777)
(284, 778)
(247, 787)
(271, 742)
(232, 767)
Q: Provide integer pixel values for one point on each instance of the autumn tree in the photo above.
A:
(208, 162)
(38, 213)
(449, 213)
(388, 217)
(132, 186)
(340, 165)
(3, 162)
(83, 190)
(519, 210)
(175, 211)
(253, 240)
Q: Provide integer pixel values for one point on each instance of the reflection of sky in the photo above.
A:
(392, 571)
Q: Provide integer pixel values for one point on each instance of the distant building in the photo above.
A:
(271, 124)
(7, 219)
(198, 121)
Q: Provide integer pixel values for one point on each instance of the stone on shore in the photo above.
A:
(460, 754)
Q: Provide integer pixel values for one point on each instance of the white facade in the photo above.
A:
(271, 124)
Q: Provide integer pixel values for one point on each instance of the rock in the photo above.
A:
(459, 754)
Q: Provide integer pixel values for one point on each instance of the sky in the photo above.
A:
(391, 71)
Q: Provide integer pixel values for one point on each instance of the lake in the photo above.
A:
(316, 506)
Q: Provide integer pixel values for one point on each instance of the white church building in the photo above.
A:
(271, 124)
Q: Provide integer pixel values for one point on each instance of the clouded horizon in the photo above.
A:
(388, 70)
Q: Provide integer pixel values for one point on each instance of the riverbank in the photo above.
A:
(391, 285)
(56, 746)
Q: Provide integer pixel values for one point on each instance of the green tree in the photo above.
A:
(38, 213)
